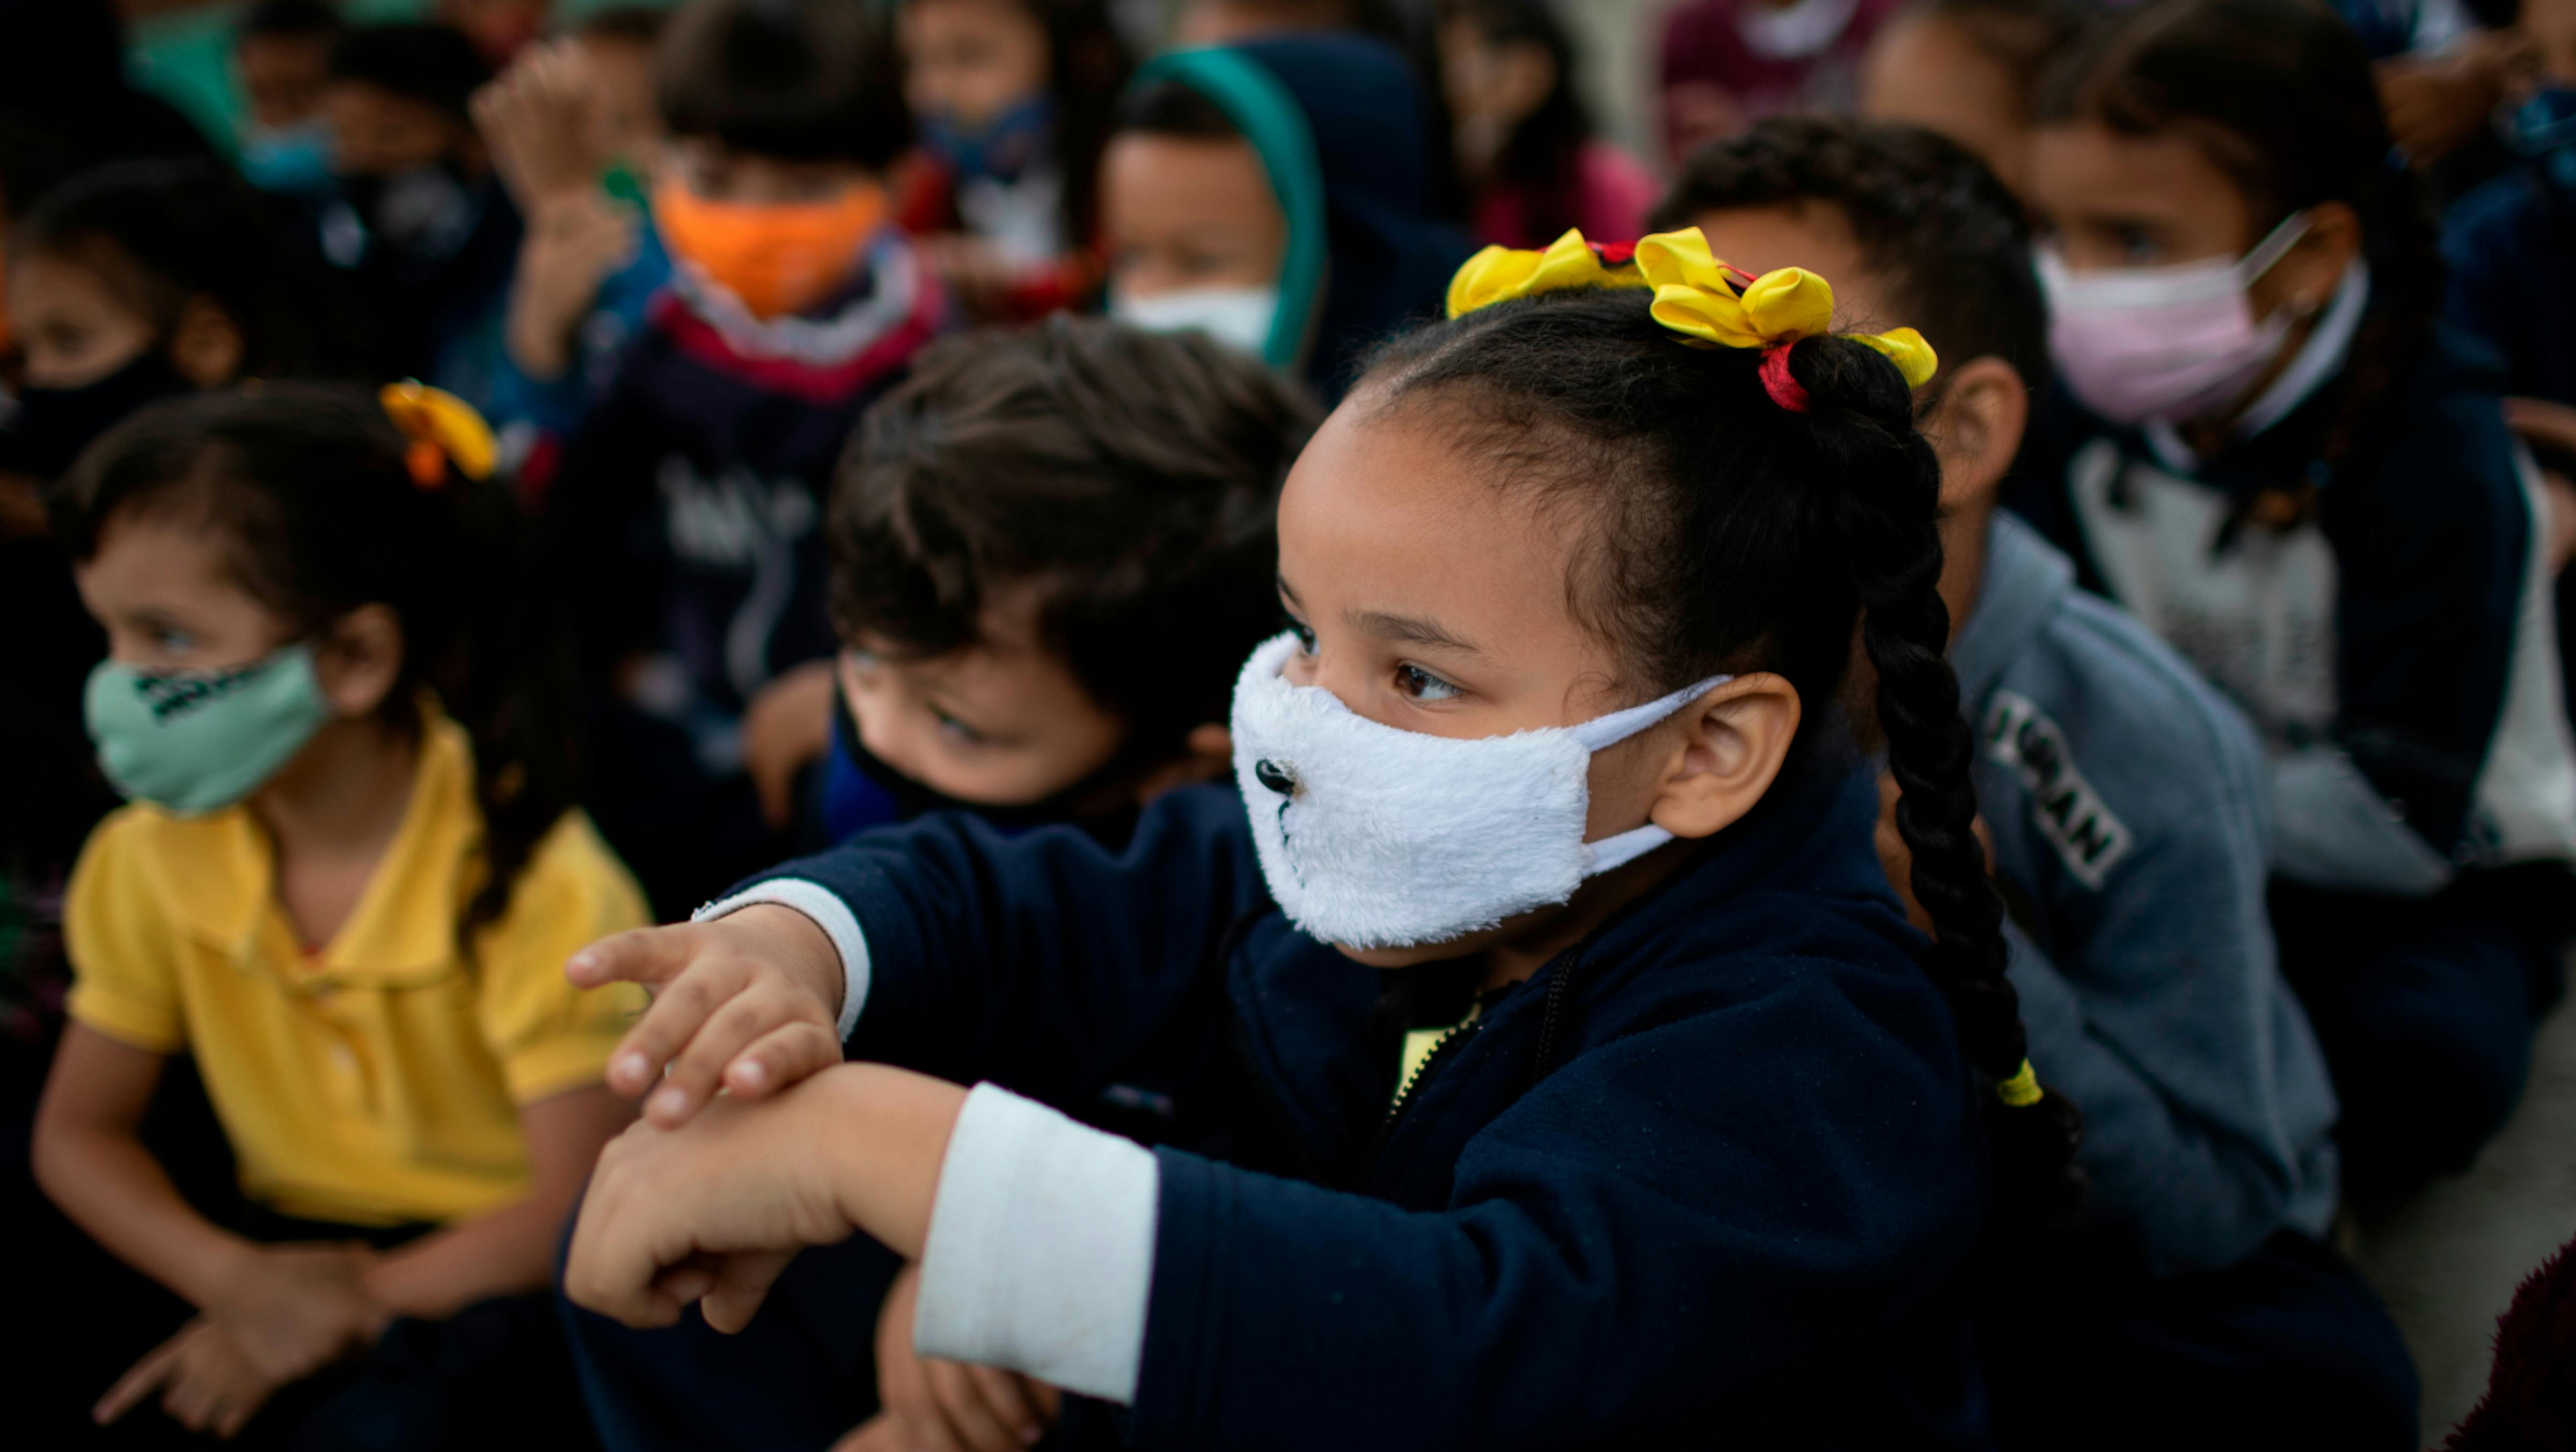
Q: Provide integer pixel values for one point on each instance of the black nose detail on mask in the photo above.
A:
(1276, 777)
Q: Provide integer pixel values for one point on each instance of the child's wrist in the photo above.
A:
(887, 1136)
(794, 944)
(231, 1261)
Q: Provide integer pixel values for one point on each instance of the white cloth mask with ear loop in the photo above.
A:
(1371, 836)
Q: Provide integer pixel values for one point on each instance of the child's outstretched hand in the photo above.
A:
(712, 1211)
(748, 1002)
(949, 1406)
(207, 1383)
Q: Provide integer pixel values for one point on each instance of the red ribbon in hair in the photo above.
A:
(1785, 391)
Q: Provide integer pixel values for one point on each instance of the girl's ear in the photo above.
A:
(1733, 742)
(206, 345)
(2305, 278)
(358, 659)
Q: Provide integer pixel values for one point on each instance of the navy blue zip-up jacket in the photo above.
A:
(1712, 1175)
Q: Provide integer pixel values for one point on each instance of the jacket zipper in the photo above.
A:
(1411, 1090)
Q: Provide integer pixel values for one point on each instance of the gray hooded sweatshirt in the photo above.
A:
(2128, 805)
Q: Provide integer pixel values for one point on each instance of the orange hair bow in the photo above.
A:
(443, 430)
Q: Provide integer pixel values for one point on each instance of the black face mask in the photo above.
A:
(1096, 804)
(54, 425)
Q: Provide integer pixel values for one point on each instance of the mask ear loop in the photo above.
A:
(1620, 849)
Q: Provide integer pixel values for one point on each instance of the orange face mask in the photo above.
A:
(777, 257)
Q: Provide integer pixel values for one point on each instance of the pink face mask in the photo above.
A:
(2170, 343)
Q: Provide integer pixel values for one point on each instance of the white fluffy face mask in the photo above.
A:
(1375, 837)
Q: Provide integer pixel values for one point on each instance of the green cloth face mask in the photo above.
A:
(199, 741)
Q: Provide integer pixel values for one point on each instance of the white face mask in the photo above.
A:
(1238, 316)
(2170, 343)
(1375, 837)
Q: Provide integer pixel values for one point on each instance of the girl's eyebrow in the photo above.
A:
(1407, 630)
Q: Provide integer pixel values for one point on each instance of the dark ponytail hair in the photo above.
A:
(309, 487)
(2277, 94)
(1731, 535)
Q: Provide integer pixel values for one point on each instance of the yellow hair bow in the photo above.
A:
(443, 430)
(1696, 294)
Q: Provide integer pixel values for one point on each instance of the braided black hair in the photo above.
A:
(1732, 535)
(310, 488)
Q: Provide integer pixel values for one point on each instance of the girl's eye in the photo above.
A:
(958, 729)
(172, 639)
(1422, 685)
(2137, 245)
(1305, 636)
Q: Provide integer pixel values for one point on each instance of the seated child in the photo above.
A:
(688, 512)
(2300, 482)
(1011, 101)
(1585, 1062)
(2125, 802)
(281, 63)
(573, 132)
(147, 279)
(1965, 68)
(419, 220)
(1524, 139)
(1272, 195)
(1050, 548)
(348, 905)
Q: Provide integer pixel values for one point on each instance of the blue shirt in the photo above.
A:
(2127, 805)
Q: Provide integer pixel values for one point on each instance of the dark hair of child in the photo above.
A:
(289, 20)
(310, 486)
(1924, 213)
(795, 80)
(1731, 535)
(161, 233)
(2278, 95)
(1087, 66)
(1544, 149)
(1170, 108)
(2021, 35)
(432, 64)
(634, 24)
(1129, 479)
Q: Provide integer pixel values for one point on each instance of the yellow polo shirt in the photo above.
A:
(378, 1080)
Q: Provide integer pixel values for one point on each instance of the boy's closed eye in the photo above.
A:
(957, 727)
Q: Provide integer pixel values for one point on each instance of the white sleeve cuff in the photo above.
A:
(829, 913)
(1041, 1248)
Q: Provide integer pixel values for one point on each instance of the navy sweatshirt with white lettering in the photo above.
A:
(1711, 1176)
(688, 514)
(686, 528)
(2126, 802)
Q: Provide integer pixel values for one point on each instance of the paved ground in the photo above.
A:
(2448, 1260)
